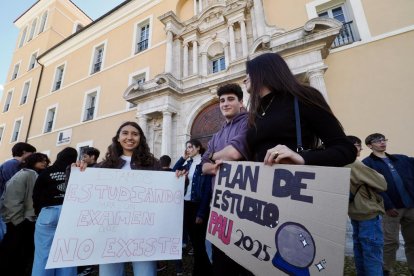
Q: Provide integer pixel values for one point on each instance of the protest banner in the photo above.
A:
(111, 216)
(281, 219)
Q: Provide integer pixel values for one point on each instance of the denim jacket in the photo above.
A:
(200, 186)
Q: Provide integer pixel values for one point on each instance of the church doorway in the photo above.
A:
(207, 122)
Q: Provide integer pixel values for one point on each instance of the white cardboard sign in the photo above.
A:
(111, 216)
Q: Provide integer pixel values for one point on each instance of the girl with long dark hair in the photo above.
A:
(196, 200)
(129, 151)
(48, 195)
(272, 136)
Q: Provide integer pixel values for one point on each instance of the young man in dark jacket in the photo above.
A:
(398, 171)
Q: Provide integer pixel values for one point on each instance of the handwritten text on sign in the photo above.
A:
(281, 219)
(116, 215)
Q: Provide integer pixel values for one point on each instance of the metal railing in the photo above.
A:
(142, 45)
(49, 126)
(97, 67)
(57, 85)
(345, 36)
(89, 113)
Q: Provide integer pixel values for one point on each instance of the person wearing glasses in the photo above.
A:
(366, 209)
(398, 171)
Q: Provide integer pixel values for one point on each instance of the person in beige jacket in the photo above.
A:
(366, 208)
(16, 208)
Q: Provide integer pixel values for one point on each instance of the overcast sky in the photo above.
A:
(10, 10)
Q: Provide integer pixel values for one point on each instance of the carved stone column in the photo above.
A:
(168, 54)
(232, 43)
(195, 57)
(243, 38)
(166, 132)
(316, 80)
(226, 55)
(185, 59)
(204, 64)
(259, 17)
(142, 122)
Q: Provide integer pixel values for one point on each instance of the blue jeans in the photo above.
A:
(368, 246)
(147, 268)
(3, 229)
(44, 232)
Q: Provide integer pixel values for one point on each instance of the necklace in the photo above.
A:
(267, 107)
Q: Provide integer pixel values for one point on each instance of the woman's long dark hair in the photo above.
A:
(32, 159)
(196, 143)
(141, 156)
(270, 70)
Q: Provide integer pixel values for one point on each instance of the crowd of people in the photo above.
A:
(286, 123)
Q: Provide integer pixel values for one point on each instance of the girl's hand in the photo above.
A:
(282, 155)
(181, 173)
(80, 164)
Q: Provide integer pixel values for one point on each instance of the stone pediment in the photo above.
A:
(319, 24)
(211, 18)
(160, 83)
(232, 6)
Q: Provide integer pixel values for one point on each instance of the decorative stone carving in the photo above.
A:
(215, 49)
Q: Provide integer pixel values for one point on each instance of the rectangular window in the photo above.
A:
(139, 79)
(1, 132)
(347, 34)
(32, 29)
(97, 59)
(16, 130)
(6, 106)
(142, 36)
(50, 117)
(23, 37)
(15, 71)
(89, 112)
(43, 22)
(25, 92)
(218, 64)
(58, 77)
(32, 61)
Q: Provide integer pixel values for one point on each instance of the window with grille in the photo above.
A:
(15, 71)
(89, 112)
(23, 37)
(97, 59)
(348, 33)
(50, 118)
(142, 38)
(16, 130)
(43, 22)
(218, 64)
(58, 77)
(32, 29)
(7, 103)
(32, 61)
(25, 92)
